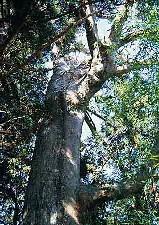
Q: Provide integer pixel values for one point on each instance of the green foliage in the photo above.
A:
(23, 84)
(131, 212)
(128, 138)
(129, 142)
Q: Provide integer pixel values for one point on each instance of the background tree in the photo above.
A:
(54, 194)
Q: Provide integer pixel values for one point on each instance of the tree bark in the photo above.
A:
(54, 180)
(53, 192)
(53, 187)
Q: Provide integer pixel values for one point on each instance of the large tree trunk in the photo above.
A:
(55, 177)
(53, 194)
(54, 182)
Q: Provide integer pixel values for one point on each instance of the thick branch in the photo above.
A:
(119, 21)
(135, 35)
(101, 63)
(90, 195)
(103, 66)
(126, 68)
(130, 37)
(91, 29)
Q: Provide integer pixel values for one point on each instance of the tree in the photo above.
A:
(54, 194)
(130, 142)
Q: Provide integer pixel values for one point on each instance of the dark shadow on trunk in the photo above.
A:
(54, 180)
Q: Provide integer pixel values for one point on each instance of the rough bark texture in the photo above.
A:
(53, 193)
(54, 180)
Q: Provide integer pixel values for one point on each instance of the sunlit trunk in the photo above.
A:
(53, 187)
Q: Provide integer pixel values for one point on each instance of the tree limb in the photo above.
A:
(101, 117)
(90, 123)
(102, 66)
(91, 29)
(134, 36)
(96, 114)
(101, 63)
(91, 195)
(126, 68)
(52, 39)
(119, 21)
(59, 35)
